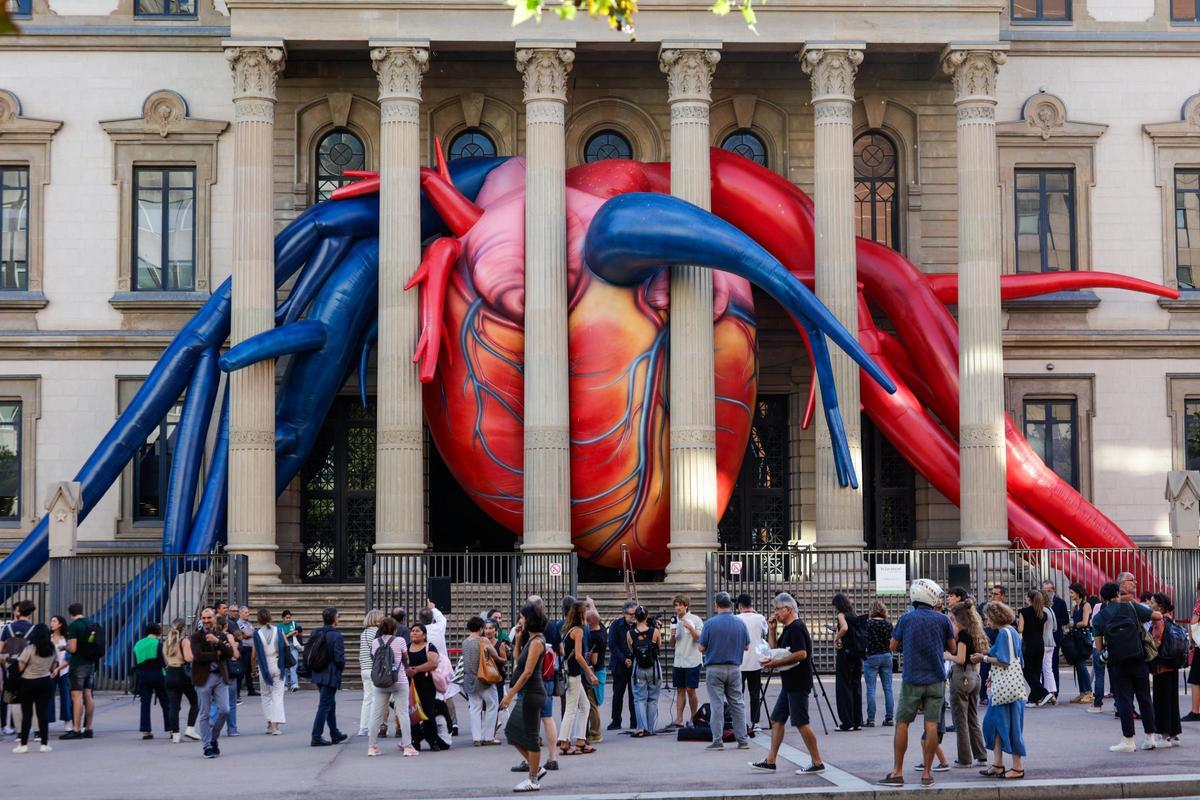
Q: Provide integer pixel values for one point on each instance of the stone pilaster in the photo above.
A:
(689, 69)
(399, 466)
(547, 478)
(832, 69)
(980, 354)
(256, 67)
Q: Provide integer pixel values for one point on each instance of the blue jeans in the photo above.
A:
(326, 712)
(214, 708)
(62, 688)
(881, 665)
(1098, 668)
(231, 728)
(646, 683)
(1083, 677)
(291, 678)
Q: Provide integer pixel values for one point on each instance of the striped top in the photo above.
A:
(364, 649)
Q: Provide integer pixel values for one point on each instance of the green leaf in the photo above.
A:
(721, 8)
(748, 13)
(521, 11)
(566, 11)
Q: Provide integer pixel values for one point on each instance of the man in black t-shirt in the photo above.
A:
(796, 677)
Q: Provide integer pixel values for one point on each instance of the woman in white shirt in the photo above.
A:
(271, 649)
(370, 629)
(62, 683)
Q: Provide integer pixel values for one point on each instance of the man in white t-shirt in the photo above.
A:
(756, 626)
(685, 672)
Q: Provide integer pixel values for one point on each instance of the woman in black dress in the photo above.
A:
(1031, 621)
(522, 728)
(422, 661)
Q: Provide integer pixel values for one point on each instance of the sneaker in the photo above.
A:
(233, 733)
(715, 746)
(935, 768)
(1150, 742)
(614, 726)
(192, 734)
(869, 723)
(550, 765)
(1176, 741)
(373, 751)
(410, 752)
(69, 735)
(1095, 709)
(892, 780)
(522, 767)
(887, 723)
(1045, 700)
(87, 734)
(812, 769)
(1166, 743)
(1124, 746)
(743, 745)
(8, 730)
(527, 786)
(1087, 697)
(363, 732)
(1191, 716)
(45, 748)
(176, 738)
(339, 737)
(762, 766)
(146, 736)
(210, 752)
(240, 701)
(541, 774)
(277, 732)
(21, 748)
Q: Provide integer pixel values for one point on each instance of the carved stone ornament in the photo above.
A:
(545, 72)
(1045, 113)
(1191, 111)
(255, 70)
(974, 74)
(400, 70)
(832, 72)
(163, 110)
(10, 107)
(689, 74)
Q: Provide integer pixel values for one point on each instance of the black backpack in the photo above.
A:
(1123, 636)
(645, 653)
(316, 655)
(1172, 651)
(92, 645)
(383, 665)
(854, 643)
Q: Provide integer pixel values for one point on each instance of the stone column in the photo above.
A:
(689, 68)
(547, 478)
(256, 67)
(980, 354)
(399, 465)
(832, 68)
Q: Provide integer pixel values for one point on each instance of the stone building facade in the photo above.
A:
(230, 117)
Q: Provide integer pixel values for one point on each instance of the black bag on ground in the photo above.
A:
(694, 733)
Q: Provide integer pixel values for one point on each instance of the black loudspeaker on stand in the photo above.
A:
(959, 575)
(439, 593)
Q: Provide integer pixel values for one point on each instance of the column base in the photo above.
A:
(851, 539)
(984, 540)
(261, 569)
(689, 563)
(384, 548)
(549, 542)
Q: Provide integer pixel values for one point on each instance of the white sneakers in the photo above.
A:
(527, 786)
(21, 749)
(176, 738)
(192, 734)
(1124, 746)
(1151, 742)
(45, 748)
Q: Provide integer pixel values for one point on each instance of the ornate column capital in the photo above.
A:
(399, 70)
(973, 70)
(689, 73)
(256, 70)
(832, 69)
(545, 72)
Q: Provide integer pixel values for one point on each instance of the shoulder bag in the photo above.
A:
(1007, 684)
(487, 671)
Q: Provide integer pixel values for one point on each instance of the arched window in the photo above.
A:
(746, 143)
(471, 143)
(876, 188)
(605, 145)
(337, 152)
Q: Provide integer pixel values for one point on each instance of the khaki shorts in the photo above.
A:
(925, 697)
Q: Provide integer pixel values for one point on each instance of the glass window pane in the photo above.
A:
(1063, 451)
(14, 228)
(149, 220)
(1184, 10)
(337, 152)
(1024, 9)
(1191, 434)
(876, 174)
(181, 218)
(471, 143)
(605, 145)
(1057, 180)
(1187, 227)
(1056, 9)
(1035, 412)
(1029, 180)
(152, 469)
(748, 145)
(19, 8)
(10, 459)
(1059, 247)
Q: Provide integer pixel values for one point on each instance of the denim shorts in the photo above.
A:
(83, 676)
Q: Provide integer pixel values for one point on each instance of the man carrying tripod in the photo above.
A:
(796, 677)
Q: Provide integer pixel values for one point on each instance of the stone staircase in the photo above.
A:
(306, 601)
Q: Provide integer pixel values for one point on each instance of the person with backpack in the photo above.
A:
(1171, 639)
(1118, 630)
(36, 665)
(644, 641)
(12, 644)
(369, 630)
(271, 654)
(481, 695)
(148, 660)
(389, 683)
(211, 649)
(85, 643)
(324, 659)
(850, 647)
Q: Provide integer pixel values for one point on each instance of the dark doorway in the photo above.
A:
(889, 493)
(456, 523)
(337, 505)
(758, 515)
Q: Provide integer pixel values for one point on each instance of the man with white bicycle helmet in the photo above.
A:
(923, 635)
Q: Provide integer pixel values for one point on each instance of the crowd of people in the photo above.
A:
(955, 656)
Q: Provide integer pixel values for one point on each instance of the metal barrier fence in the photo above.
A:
(472, 582)
(814, 576)
(13, 593)
(124, 593)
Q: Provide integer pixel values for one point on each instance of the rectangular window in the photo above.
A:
(1050, 431)
(1191, 433)
(10, 459)
(152, 469)
(1045, 220)
(1185, 11)
(1187, 227)
(164, 8)
(14, 229)
(1041, 10)
(164, 236)
(20, 8)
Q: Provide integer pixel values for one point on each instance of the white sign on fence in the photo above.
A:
(735, 568)
(891, 578)
(555, 569)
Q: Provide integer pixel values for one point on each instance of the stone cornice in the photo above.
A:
(14, 127)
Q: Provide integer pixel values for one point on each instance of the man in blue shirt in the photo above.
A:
(723, 641)
(923, 635)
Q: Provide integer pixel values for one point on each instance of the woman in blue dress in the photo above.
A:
(1003, 723)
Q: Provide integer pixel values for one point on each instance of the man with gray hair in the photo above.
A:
(620, 663)
(723, 641)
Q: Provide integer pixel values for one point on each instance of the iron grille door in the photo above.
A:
(758, 514)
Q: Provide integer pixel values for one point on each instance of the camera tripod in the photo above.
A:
(762, 700)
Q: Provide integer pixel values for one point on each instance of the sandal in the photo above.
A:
(1014, 775)
(993, 771)
(584, 749)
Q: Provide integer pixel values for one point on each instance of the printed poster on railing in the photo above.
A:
(891, 578)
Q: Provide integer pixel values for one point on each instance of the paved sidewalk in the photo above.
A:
(1068, 748)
